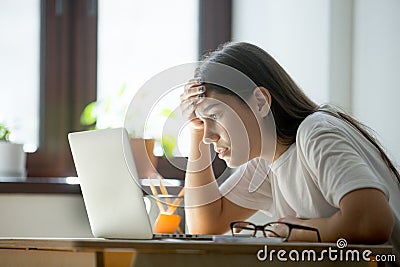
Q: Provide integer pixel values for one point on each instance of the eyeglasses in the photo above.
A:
(280, 230)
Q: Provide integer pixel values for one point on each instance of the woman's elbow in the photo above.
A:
(383, 232)
(377, 230)
(368, 216)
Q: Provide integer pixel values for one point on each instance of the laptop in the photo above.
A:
(110, 186)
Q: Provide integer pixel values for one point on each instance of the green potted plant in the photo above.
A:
(12, 155)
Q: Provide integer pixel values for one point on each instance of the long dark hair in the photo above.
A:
(290, 106)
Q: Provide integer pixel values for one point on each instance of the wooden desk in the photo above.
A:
(101, 252)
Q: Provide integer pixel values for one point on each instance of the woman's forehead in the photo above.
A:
(208, 104)
(217, 101)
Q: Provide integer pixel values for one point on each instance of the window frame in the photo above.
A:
(68, 66)
(215, 25)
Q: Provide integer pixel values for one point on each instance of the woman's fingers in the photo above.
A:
(193, 88)
(193, 91)
(192, 95)
(193, 83)
(188, 105)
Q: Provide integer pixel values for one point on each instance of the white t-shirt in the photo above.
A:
(329, 159)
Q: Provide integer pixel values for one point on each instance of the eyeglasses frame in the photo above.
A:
(290, 225)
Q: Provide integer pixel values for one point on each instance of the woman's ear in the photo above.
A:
(263, 99)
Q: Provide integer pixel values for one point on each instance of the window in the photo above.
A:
(19, 53)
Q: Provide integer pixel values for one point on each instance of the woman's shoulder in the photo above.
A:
(319, 121)
(322, 125)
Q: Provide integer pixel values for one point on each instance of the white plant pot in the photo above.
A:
(12, 160)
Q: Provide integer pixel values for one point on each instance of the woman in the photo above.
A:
(327, 171)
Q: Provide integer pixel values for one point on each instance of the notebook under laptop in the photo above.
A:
(110, 188)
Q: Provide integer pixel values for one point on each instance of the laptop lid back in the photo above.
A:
(111, 192)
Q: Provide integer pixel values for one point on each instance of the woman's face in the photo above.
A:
(232, 128)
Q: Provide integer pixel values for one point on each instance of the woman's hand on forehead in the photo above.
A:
(193, 94)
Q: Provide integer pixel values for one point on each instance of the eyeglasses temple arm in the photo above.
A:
(302, 227)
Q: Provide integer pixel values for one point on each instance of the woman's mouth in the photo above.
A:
(221, 152)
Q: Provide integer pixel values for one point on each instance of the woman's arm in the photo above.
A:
(364, 217)
(208, 217)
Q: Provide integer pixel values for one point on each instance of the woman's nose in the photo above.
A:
(209, 134)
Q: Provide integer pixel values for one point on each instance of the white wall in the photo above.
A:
(43, 215)
(345, 52)
(376, 68)
(294, 33)
(340, 53)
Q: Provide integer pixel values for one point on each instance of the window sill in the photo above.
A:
(36, 185)
(63, 185)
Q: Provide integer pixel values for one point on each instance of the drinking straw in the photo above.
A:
(155, 193)
(164, 191)
(172, 207)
